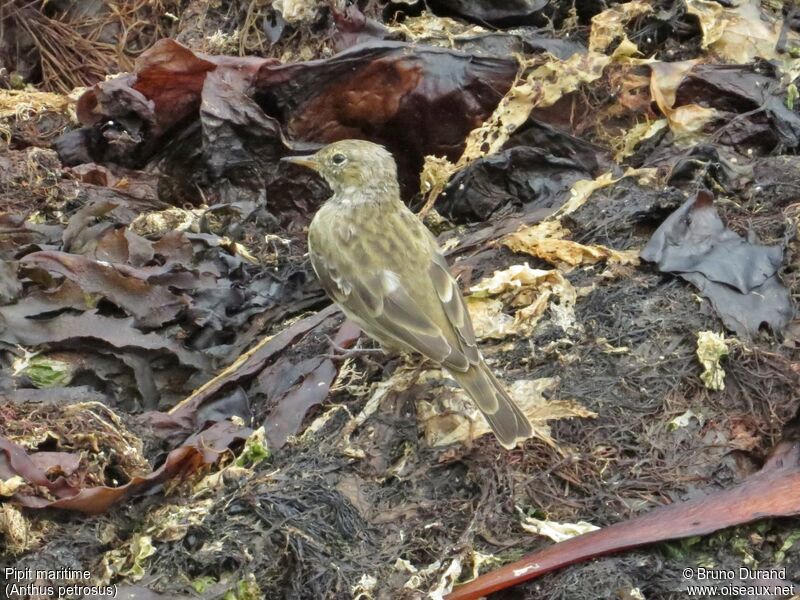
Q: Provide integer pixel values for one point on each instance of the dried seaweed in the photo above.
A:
(156, 266)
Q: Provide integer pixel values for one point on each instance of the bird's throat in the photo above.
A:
(371, 193)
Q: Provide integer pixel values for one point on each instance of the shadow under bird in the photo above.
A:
(381, 265)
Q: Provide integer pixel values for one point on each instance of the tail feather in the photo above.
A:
(508, 422)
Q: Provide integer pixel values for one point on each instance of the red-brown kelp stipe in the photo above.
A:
(774, 491)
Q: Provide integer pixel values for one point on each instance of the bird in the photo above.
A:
(376, 259)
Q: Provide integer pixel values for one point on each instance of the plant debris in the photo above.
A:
(738, 276)
(711, 348)
(614, 187)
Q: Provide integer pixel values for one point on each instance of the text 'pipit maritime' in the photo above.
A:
(377, 260)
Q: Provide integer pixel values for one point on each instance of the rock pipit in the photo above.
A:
(382, 266)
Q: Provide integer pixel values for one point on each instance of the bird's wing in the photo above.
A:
(382, 301)
(329, 277)
(453, 304)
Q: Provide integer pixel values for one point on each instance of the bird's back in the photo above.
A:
(362, 253)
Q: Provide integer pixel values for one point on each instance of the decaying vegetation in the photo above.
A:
(615, 185)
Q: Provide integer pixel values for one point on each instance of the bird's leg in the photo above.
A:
(421, 365)
(339, 354)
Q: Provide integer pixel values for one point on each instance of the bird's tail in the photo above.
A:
(508, 422)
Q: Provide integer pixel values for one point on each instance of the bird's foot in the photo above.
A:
(340, 354)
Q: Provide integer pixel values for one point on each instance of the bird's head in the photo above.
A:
(353, 167)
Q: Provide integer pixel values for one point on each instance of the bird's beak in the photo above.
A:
(303, 161)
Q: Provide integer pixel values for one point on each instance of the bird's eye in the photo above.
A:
(338, 159)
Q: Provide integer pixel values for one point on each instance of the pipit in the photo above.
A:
(382, 266)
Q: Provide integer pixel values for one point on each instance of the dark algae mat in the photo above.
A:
(616, 187)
